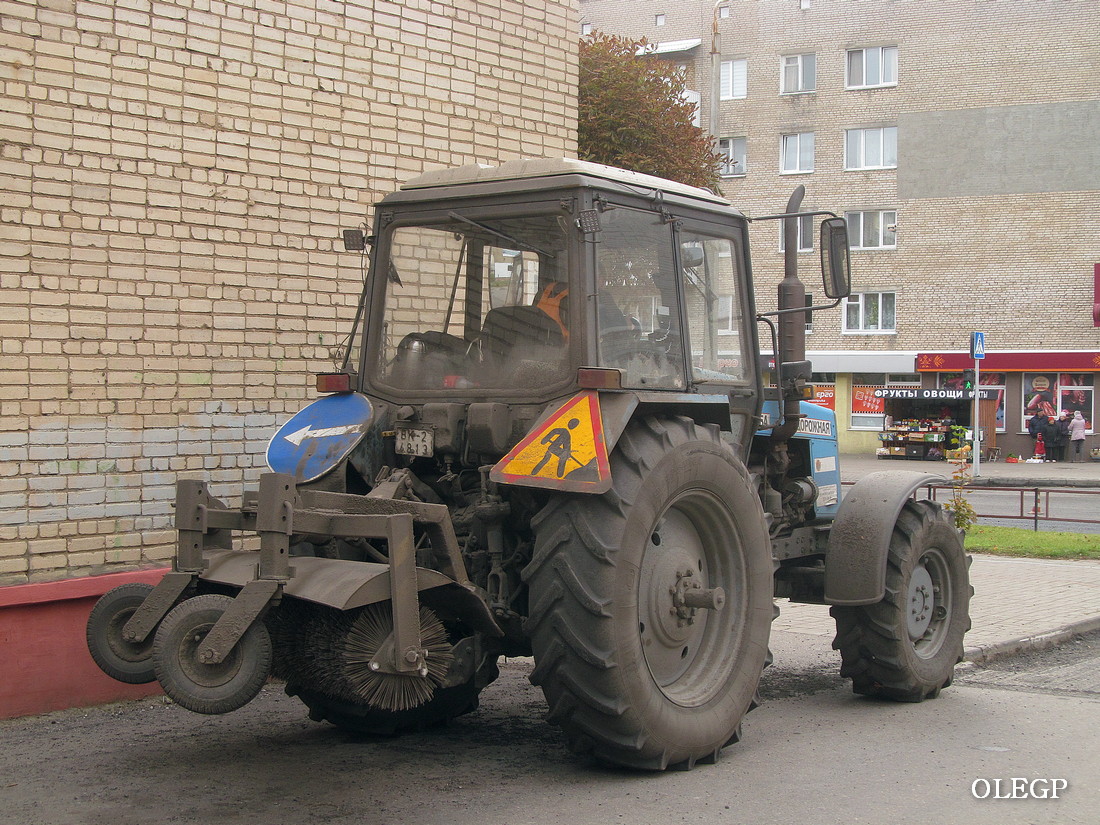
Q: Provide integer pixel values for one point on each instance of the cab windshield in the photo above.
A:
(474, 303)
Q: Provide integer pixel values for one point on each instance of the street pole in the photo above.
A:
(715, 67)
(976, 420)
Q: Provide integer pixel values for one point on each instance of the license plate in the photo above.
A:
(414, 441)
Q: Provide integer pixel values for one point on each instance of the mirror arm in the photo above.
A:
(814, 308)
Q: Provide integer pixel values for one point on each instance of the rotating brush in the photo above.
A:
(329, 651)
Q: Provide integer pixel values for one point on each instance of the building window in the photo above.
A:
(875, 66)
(659, 20)
(692, 98)
(586, 29)
(732, 150)
(1051, 393)
(869, 410)
(871, 148)
(994, 381)
(870, 312)
(805, 235)
(872, 230)
(727, 315)
(797, 153)
(723, 12)
(733, 79)
(798, 73)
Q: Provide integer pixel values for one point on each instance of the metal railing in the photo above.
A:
(1034, 504)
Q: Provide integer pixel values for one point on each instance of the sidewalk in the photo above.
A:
(993, 473)
(1018, 604)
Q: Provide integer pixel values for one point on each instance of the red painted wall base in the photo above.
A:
(44, 659)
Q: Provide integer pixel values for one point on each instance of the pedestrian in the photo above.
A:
(1077, 434)
(1036, 425)
(1051, 433)
(1040, 448)
(1062, 444)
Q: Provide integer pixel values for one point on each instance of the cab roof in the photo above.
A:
(546, 168)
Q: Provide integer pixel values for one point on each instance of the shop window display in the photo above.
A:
(1050, 393)
(988, 381)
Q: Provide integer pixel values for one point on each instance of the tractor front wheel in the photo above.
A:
(906, 646)
(651, 605)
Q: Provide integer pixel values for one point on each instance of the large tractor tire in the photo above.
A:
(906, 646)
(634, 673)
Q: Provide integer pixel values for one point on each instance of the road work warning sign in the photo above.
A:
(566, 452)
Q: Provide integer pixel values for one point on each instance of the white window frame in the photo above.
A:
(658, 20)
(882, 59)
(726, 307)
(863, 146)
(859, 300)
(733, 79)
(693, 98)
(805, 70)
(586, 29)
(803, 146)
(886, 220)
(805, 234)
(734, 164)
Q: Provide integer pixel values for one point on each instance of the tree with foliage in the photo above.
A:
(633, 114)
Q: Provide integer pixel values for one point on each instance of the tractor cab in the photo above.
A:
(503, 283)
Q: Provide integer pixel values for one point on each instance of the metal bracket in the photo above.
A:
(152, 611)
(235, 621)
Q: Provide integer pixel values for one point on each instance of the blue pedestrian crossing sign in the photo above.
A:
(977, 345)
(319, 436)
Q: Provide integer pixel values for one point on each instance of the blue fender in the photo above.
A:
(855, 564)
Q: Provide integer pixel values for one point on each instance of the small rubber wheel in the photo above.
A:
(209, 688)
(129, 662)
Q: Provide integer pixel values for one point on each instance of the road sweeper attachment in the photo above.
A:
(358, 632)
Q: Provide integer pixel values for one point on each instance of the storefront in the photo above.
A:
(933, 424)
(1025, 384)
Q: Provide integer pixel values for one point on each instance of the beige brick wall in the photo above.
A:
(173, 181)
(1018, 266)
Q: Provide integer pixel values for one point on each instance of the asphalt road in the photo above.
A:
(811, 753)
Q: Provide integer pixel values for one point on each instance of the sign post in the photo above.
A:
(977, 352)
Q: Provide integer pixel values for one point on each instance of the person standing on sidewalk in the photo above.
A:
(1077, 434)
(1062, 444)
(1051, 434)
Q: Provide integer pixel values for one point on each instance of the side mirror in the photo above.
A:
(836, 269)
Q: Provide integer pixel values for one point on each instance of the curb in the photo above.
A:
(1004, 481)
(977, 656)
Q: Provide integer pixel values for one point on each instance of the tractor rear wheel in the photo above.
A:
(196, 685)
(651, 605)
(906, 646)
(129, 662)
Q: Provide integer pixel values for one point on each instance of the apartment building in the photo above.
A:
(958, 139)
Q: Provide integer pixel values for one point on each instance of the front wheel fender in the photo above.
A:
(855, 564)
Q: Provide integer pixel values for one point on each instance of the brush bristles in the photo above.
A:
(329, 651)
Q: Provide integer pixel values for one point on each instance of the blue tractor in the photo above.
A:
(551, 437)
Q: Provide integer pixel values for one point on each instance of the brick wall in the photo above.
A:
(1019, 262)
(173, 181)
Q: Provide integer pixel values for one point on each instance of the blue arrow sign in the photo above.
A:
(319, 436)
(977, 345)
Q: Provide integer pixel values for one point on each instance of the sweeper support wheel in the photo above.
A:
(129, 662)
(202, 687)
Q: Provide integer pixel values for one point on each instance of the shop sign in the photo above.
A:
(936, 395)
